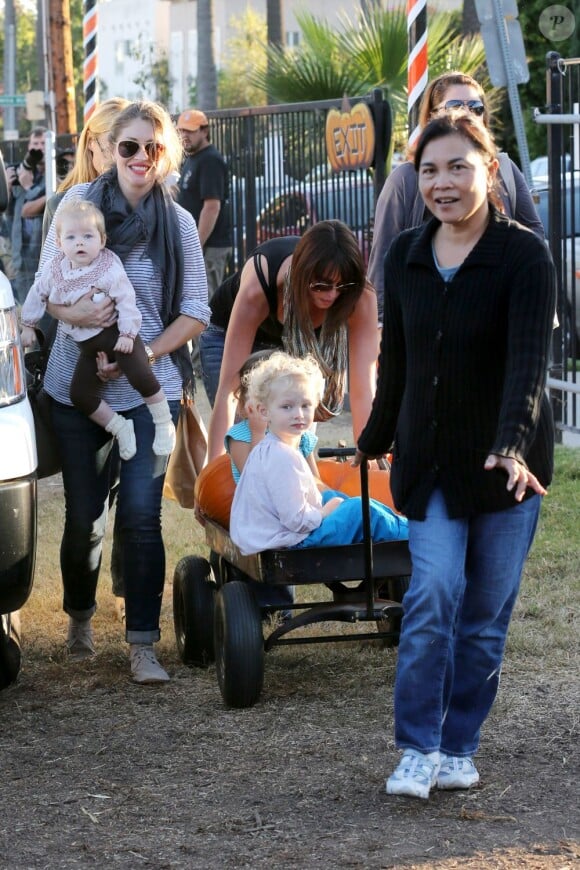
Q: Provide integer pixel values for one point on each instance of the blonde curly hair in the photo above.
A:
(266, 376)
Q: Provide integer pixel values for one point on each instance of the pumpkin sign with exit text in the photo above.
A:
(350, 137)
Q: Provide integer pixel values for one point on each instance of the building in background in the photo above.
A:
(131, 32)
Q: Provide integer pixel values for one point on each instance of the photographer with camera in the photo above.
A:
(27, 187)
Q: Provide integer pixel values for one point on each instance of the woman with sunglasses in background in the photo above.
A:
(305, 295)
(400, 205)
(157, 242)
(92, 154)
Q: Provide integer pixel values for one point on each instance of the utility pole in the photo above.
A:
(10, 127)
(60, 79)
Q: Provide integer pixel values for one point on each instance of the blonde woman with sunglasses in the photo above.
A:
(158, 244)
(400, 205)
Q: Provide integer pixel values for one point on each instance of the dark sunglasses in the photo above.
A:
(324, 287)
(128, 148)
(475, 106)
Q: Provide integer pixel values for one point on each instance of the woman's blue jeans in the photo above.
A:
(211, 351)
(86, 470)
(465, 580)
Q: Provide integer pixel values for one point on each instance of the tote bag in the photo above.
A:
(189, 454)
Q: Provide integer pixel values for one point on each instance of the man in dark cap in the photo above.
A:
(204, 192)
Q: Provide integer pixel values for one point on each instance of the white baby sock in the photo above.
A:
(124, 431)
(164, 441)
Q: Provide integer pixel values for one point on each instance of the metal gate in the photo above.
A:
(281, 181)
(559, 207)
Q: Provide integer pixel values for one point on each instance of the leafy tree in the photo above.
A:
(76, 20)
(534, 92)
(153, 77)
(246, 52)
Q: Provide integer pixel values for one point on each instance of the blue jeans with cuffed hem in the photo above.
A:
(86, 469)
(464, 584)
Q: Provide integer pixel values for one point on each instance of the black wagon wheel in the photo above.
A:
(10, 657)
(193, 607)
(239, 645)
(394, 589)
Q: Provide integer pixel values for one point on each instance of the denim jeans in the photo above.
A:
(86, 469)
(345, 524)
(464, 583)
(216, 260)
(211, 350)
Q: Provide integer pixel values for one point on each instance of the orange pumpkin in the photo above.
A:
(342, 476)
(215, 487)
(214, 490)
(350, 137)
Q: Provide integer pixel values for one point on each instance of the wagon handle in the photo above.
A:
(344, 452)
(325, 452)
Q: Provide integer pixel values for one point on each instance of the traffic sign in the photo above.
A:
(503, 41)
(12, 100)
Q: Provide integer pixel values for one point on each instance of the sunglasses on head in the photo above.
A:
(128, 148)
(475, 106)
(327, 286)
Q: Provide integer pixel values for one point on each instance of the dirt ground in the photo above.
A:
(96, 771)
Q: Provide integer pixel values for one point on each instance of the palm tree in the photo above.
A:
(367, 53)
(206, 84)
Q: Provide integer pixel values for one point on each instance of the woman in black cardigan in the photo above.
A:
(469, 302)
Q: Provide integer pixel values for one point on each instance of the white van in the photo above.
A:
(17, 486)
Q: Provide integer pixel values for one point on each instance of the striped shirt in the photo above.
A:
(146, 280)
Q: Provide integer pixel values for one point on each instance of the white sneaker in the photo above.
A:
(457, 772)
(144, 665)
(79, 642)
(415, 774)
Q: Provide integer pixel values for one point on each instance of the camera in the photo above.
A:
(32, 158)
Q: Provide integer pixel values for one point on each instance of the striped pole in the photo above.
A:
(417, 69)
(90, 62)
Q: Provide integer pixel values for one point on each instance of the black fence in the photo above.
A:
(559, 208)
(281, 181)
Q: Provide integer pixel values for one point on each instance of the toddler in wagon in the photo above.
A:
(277, 503)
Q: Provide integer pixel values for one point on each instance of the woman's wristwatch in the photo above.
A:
(150, 354)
